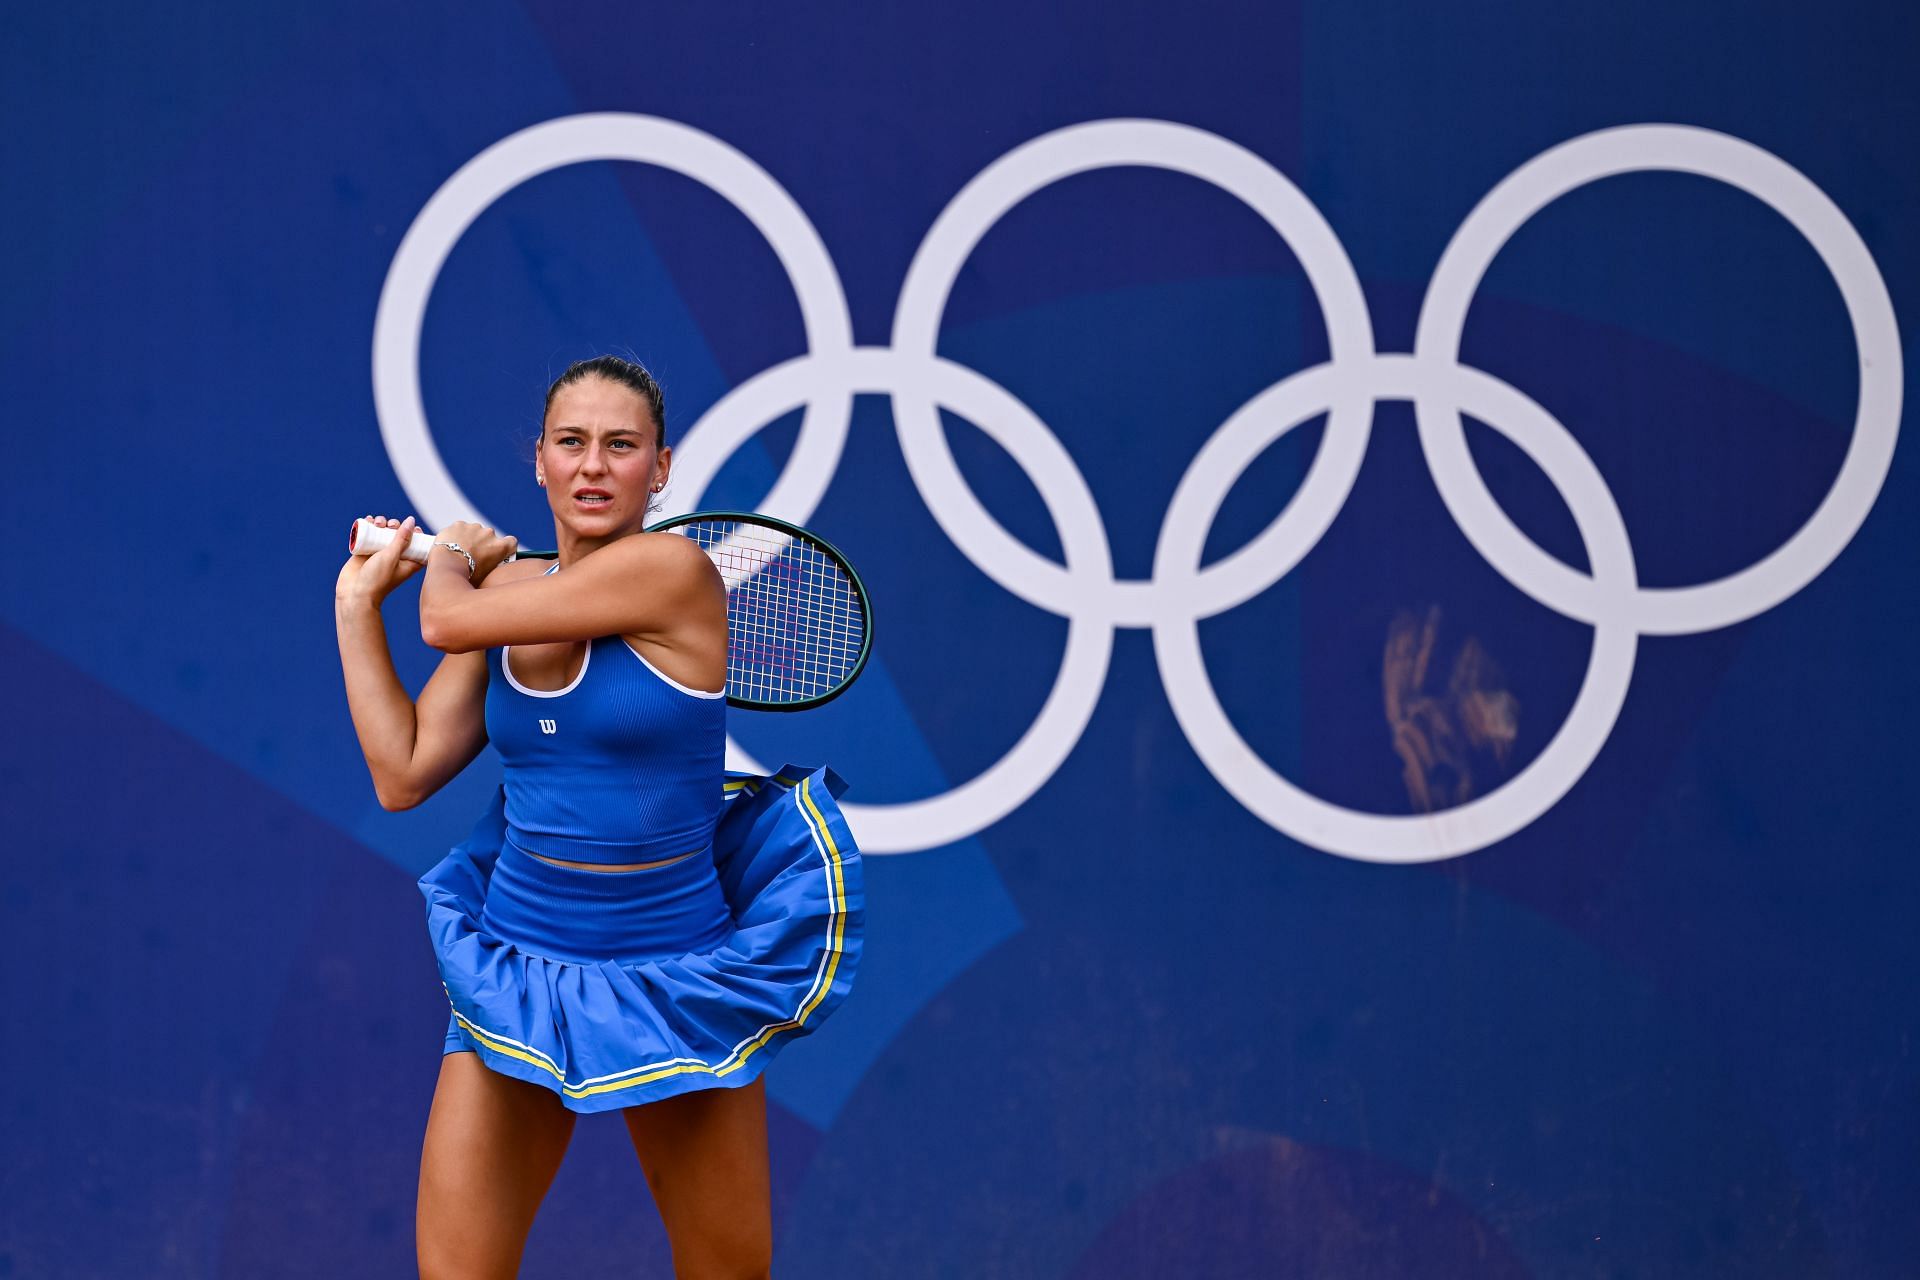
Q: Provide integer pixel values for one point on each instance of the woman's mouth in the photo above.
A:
(592, 498)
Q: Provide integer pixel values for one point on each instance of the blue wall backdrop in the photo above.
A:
(1494, 868)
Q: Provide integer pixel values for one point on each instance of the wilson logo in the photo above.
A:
(549, 726)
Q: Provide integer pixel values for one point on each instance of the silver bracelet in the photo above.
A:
(451, 545)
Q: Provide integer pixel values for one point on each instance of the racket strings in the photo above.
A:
(796, 624)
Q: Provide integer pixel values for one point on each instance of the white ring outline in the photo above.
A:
(1788, 192)
(959, 229)
(1181, 592)
(968, 807)
(1371, 837)
(555, 144)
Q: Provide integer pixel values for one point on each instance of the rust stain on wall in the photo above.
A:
(1442, 735)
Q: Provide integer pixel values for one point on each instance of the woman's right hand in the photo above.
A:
(369, 579)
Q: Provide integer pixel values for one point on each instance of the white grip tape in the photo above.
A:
(366, 537)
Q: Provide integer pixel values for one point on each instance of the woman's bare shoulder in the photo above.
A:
(675, 550)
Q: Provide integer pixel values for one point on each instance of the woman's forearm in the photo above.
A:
(443, 588)
(383, 713)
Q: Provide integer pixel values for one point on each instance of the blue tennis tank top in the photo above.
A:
(622, 765)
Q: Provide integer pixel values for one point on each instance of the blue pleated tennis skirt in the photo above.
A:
(619, 988)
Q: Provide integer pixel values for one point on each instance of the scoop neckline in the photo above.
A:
(506, 668)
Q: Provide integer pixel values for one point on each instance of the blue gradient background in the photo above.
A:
(1668, 1029)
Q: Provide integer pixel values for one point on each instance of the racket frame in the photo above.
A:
(798, 534)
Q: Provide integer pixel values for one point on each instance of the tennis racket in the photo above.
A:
(799, 623)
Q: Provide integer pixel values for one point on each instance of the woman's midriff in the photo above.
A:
(604, 866)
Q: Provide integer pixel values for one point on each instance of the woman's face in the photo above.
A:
(599, 438)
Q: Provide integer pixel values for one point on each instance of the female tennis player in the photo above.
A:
(626, 927)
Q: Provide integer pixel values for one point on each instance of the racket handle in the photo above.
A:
(366, 537)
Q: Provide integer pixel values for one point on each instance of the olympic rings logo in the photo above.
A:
(1181, 593)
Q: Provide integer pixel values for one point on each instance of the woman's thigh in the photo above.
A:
(705, 1157)
(493, 1145)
